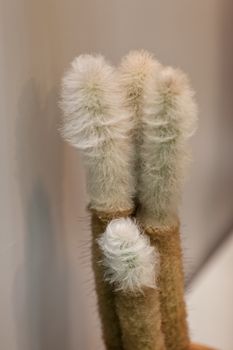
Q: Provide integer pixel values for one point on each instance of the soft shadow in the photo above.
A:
(40, 293)
(219, 203)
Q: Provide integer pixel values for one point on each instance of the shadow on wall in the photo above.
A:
(220, 203)
(40, 292)
(224, 148)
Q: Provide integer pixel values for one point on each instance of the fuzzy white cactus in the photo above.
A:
(135, 71)
(131, 263)
(96, 123)
(168, 120)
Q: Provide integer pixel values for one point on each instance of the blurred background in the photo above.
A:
(47, 297)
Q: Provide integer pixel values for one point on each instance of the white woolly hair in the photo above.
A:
(96, 123)
(134, 73)
(131, 263)
(135, 70)
(168, 120)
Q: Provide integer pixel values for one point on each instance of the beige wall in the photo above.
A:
(32, 285)
(46, 297)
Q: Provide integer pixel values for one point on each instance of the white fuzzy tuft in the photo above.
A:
(91, 104)
(135, 71)
(131, 262)
(169, 118)
(95, 122)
